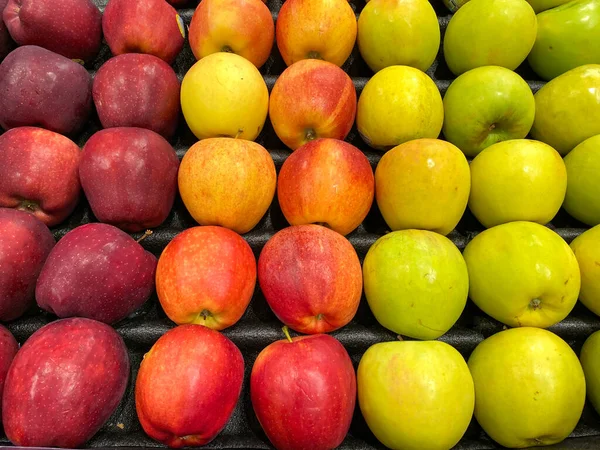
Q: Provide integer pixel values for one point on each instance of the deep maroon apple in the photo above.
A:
(8, 350)
(6, 42)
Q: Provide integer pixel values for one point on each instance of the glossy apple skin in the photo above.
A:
(8, 349)
(72, 28)
(188, 406)
(151, 26)
(64, 384)
(39, 173)
(25, 243)
(303, 392)
(6, 42)
(133, 160)
(42, 88)
(311, 278)
(206, 275)
(146, 96)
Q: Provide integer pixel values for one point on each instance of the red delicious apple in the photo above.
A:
(188, 386)
(149, 26)
(64, 384)
(326, 181)
(134, 161)
(303, 391)
(42, 88)
(25, 243)
(137, 90)
(96, 271)
(206, 275)
(8, 350)
(38, 173)
(6, 42)
(311, 278)
(72, 28)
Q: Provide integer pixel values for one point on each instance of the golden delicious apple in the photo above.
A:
(587, 251)
(590, 361)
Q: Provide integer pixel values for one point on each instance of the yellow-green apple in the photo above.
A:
(39, 173)
(190, 405)
(328, 182)
(206, 275)
(487, 105)
(303, 392)
(6, 42)
(529, 387)
(489, 33)
(522, 274)
(398, 104)
(407, 389)
(416, 283)
(312, 99)
(519, 179)
(586, 247)
(321, 29)
(424, 184)
(227, 182)
(567, 37)
(8, 350)
(311, 278)
(384, 23)
(590, 357)
(64, 384)
(244, 27)
(566, 109)
(25, 243)
(224, 95)
(582, 200)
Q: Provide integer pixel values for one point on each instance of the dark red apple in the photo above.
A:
(188, 386)
(42, 88)
(72, 28)
(25, 243)
(303, 392)
(6, 42)
(64, 384)
(8, 350)
(129, 176)
(96, 271)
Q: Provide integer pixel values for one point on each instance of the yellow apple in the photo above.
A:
(590, 361)
(586, 247)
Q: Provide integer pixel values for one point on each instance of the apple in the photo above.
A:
(42, 88)
(489, 33)
(206, 275)
(522, 274)
(150, 26)
(303, 392)
(529, 387)
(227, 182)
(39, 173)
(188, 406)
(590, 353)
(542, 5)
(312, 99)
(423, 184)
(583, 164)
(316, 29)
(454, 5)
(413, 23)
(586, 248)
(72, 28)
(515, 180)
(132, 160)
(487, 105)
(311, 278)
(408, 391)
(6, 42)
(64, 384)
(398, 104)
(224, 95)
(8, 350)
(326, 181)
(244, 27)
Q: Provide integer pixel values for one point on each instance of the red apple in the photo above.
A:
(6, 42)
(39, 173)
(311, 278)
(206, 275)
(8, 350)
(326, 181)
(188, 386)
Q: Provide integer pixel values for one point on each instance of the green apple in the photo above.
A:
(583, 185)
(416, 283)
(590, 361)
(515, 180)
(406, 390)
(567, 109)
(529, 387)
(486, 105)
(542, 5)
(568, 36)
(384, 23)
(522, 274)
(586, 247)
(489, 33)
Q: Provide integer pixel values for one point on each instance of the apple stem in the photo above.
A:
(144, 236)
(399, 338)
(239, 132)
(286, 331)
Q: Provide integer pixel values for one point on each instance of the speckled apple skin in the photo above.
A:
(8, 349)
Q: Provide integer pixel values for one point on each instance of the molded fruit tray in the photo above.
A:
(259, 326)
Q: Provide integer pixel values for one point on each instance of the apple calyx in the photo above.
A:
(313, 55)
(205, 314)
(227, 49)
(286, 332)
(28, 206)
(536, 303)
(310, 134)
(144, 236)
